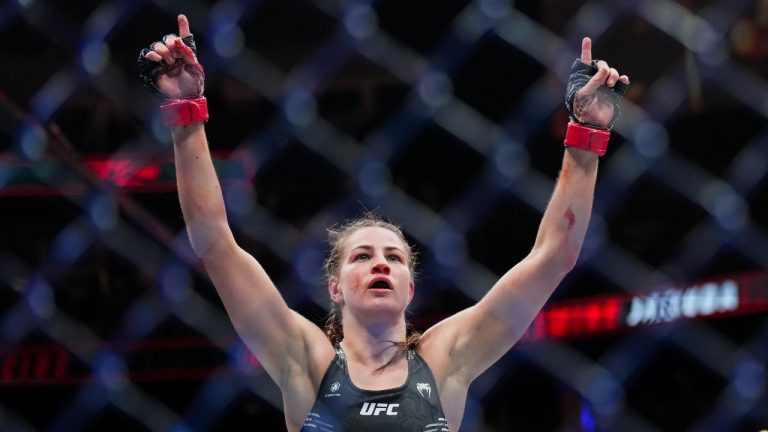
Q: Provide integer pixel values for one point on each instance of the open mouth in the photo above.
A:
(380, 285)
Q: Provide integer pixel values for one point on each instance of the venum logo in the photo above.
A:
(424, 387)
(370, 408)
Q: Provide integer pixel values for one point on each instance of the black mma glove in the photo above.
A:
(581, 73)
(185, 80)
(148, 71)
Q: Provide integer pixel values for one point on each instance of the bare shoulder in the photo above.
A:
(455, 348)
(436, 346)
(303, 372)
(320, 352)
(452, 386)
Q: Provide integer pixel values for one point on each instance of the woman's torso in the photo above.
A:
(342, 406)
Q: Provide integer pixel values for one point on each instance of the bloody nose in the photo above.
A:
(381, 268)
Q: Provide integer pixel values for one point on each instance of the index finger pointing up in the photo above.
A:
(586, 50)
(183, 26)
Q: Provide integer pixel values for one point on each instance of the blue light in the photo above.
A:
(94, 56)
(586, 418)
(306, 264)
(360, 21)
(449, 248)
(102, 211)
(31, 141)
(300, 108)
(70, 244)
(40, 298)
(435, 89)
(239, 199)
(748, 378)
(511, 159)
(494, 9)
(228, 40)
(374, 178)
(604, 393)
(175, 282)
(51, 97)
(110, 370)
(651, 139)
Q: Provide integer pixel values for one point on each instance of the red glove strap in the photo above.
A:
(183, 112)
(586, 138)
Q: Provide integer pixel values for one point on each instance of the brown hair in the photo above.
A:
(336, 236)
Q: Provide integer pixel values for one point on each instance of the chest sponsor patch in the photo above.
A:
(374, 409)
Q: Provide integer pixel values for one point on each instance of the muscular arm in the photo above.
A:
(279, 337)
(293, 351)
(480, 335)
(463, 346)
(241, 282)
(520, 293)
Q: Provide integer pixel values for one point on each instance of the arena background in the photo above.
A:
(445, 116)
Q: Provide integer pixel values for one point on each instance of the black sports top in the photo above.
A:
(413, 407)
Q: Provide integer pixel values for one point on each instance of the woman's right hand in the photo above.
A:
(170, 66)
(594, 90)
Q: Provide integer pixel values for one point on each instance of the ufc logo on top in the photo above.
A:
(370, 408)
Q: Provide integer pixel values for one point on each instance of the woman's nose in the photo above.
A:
(381, 266)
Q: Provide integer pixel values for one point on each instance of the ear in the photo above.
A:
(411, 291)
(337, 296)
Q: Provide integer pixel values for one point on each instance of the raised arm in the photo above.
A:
(290, 347)
(466, 344)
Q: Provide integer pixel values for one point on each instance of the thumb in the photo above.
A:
(183, 26)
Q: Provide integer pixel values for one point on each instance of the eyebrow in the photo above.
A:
(370, 248)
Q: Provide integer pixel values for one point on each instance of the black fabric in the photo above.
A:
(581, 73)
(340, 406)
(148, 69)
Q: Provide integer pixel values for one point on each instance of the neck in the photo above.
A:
(372, 344)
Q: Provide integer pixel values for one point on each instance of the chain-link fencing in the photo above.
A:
(448, 118)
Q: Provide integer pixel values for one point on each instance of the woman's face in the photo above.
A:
(374, 280)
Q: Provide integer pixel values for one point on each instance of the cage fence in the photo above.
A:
(446, 117)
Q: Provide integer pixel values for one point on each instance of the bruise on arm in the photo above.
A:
(570, 217)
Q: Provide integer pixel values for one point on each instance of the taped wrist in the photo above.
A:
(587, 138)
(184, 112)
